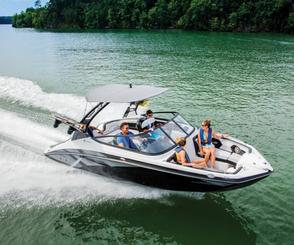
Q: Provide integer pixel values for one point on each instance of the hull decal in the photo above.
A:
(90, 160)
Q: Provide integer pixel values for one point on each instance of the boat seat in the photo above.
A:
(139, 123)
(114, 141)
(173, 159)
(216, 142)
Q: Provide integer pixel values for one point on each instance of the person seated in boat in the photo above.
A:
(206, 148)
(183, 157)
(149, 115)
(149, 135)
(90, 129)
(123, 138)
(147, 120)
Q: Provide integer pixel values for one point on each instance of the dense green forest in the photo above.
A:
(208, 15)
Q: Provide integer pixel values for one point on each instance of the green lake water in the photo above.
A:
(243, 82)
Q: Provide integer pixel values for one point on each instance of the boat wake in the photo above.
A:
(27, 93)
(27, 177)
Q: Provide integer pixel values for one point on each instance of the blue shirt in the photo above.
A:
(126, 140)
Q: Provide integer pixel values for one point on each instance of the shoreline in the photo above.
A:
(80, 30)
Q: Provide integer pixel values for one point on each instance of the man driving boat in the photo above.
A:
(124, 137)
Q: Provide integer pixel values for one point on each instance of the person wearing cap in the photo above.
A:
(150, 118)
(147, 121)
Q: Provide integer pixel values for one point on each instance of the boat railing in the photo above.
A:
(159, 140)
(168, 124)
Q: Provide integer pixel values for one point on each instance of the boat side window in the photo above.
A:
(162, 138)
(173, 130)
(153, 142)
(111, 128)
(183, 124)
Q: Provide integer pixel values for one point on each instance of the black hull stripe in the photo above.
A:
(133, 163)
(162, 180)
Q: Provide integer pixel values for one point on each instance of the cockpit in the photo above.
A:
(168, 126)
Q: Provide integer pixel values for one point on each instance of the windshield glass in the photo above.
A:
(183, 124)
(157, 140)
(153, 142)
(173, 130)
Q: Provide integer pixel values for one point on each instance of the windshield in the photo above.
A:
(155, 141)
(173, 130)
(152, 142)
(184, 124)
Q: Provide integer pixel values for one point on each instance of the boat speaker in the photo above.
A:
(56, 123)
(70, 130)
(236, 149)
(216, 142)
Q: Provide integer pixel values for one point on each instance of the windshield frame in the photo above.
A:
(175, 114)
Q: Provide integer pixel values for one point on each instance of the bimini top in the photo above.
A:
(122, 93)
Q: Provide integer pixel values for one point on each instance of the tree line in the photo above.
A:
(205, 15)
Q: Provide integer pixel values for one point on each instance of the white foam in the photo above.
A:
(28, 133)
(29, 178)
(26, 176)
(33, 178)
(27, 93)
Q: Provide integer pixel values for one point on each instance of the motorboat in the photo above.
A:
(93, 146)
